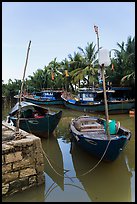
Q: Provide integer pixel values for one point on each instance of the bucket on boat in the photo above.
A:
(112, 126)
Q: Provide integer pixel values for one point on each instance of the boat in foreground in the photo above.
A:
(35, 119)
(90, 134)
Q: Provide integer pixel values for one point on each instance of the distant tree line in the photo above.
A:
(80, 70)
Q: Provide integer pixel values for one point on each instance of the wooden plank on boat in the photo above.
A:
(92, 130)
(91, 125)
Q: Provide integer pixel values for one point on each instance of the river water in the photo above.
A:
(65, 164)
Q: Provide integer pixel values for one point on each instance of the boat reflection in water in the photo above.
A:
(108, 182)
(53, 160)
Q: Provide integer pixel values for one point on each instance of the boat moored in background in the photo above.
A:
(91, 100)
(45, 97)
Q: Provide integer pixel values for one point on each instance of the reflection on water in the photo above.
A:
(34, 194)
(109, 182)
(53, 160)
(65, 163)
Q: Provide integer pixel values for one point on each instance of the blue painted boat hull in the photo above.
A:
(90, 133)
(35, 119)
(44, 102)
(97, 147)
(113, 107)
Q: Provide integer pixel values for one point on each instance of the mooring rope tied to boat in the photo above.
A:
(81, 174)
(96, 163)
(46, 154)
(13, 134)
(69, 170)
(65, 170)
(48, 122)
(8, 127)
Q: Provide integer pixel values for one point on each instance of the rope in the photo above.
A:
(8, 127)
(45, 155)
(48, 122)
(98, 161)
(69, 170)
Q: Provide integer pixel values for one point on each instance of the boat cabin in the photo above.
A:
(122, 93)
(86, 95)
(92, 95)
(48, 94)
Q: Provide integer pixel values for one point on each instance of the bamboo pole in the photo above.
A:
(104, 85)
(17, 124)
(105, 101)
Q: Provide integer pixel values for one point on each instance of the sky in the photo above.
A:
(57, 29)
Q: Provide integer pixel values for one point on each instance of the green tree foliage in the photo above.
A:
(82, 67)
(11, 88)
(124, 64)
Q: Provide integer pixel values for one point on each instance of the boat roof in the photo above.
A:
(87, 90)
(52, 90)
(100, 90)
(24, 105)
(122, 88)
(49, 91)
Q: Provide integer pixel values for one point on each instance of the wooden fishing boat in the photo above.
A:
(103, 138)
(90, 134)
(91, 100)
(45, 97)
(35, 119)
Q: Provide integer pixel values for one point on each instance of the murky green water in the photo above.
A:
(65, 164)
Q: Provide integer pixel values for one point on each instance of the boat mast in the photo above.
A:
(105, 101)
(96, 31)
(20, 97)
(102, 68)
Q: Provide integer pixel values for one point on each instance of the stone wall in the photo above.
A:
(22, 164)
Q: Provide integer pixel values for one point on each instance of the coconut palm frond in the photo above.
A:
(128, 77)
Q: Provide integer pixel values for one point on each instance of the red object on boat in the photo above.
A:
(132, 113)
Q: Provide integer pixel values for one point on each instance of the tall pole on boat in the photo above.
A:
(105, 101)
(97, 33)
(20, 97)
(24, 71)
(104, 61)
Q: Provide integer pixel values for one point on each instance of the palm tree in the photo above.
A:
(124, 61)
(65, 69)
(85, 63)
(76, 65)
(130, 52)
(37, 80)
(55, 69)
